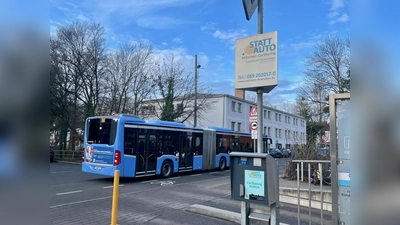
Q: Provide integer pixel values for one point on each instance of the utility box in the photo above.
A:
(254, 178)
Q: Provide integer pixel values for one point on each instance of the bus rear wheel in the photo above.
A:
(222, 163)
(166, 169)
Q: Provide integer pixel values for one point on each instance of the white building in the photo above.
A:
(285, 129)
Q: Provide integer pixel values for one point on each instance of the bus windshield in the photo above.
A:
(101, 131)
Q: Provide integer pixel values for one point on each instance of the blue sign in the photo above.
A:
(243, 161)
(254, 185)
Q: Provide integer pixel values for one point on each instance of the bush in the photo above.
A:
(302, 154)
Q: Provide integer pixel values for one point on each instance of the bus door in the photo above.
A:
(146, 159)
(185, 152)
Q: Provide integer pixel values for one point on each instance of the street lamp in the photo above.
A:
(196, 67)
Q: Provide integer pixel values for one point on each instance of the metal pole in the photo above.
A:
(309, 193)
(259, 121)
(259, 91)
(274, 208)
(114, 210)
(245, 209)
(298, 194)
(195, 90)
(260, 16)
(322, 203)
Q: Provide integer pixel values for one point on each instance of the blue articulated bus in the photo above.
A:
(138, 147)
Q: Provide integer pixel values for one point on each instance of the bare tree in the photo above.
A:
(78, 52)
(128, 77)
(327, 71)
(174, 93)
(95, 57)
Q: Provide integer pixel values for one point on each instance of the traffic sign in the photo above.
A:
(249, 7)
(254, 111)
(253, 125)
(253, 134)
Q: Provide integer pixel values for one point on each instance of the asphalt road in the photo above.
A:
(81, 198)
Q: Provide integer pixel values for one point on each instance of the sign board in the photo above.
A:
(253, 134)
(256, 62)
(254, 111)
(253, 125)
(249, 7)
(253, 114)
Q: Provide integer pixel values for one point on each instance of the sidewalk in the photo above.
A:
(229, 210)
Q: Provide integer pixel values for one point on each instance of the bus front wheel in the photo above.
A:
(166, 169)
(222, 163)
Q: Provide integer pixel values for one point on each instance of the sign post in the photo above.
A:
(253, 117)
(256, 69)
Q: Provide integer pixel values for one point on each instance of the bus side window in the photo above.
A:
(198, 146)
(129, 141)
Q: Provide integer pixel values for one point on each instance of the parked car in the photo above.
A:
(51, 155)
(276, 153)
(286, 153)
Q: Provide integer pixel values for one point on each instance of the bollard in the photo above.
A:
(114, 212)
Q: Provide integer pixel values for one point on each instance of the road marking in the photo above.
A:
(165, 182)
(73, 203)
(149, 181)
(174, 178)
(126, 194)
(63, 172)
(71, 192)
(213, 172)
(195, 175)
(121, 185)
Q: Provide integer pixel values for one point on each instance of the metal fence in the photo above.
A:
(300, 177)
(68, 155)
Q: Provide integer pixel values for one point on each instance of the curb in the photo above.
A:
(60, 161)
(217, 213)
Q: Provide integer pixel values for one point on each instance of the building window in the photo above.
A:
(240, 107)
(288, 120)
(269, 131)
(280, 135)
(239, 126)
(285, 119)
(294, 121)
(276, 116)
(276, 132)
(233, 106)
(265, 113)
(285, 133)
(280, 118)
(233, 125)
(148, 109)
(265, 130)
(269, 114)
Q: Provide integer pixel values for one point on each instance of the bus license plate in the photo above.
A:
(97, 168)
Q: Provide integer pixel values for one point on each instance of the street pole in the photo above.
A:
(195, 90)
(259, 91)
(274, 208)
